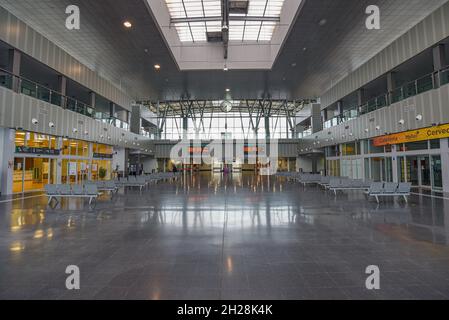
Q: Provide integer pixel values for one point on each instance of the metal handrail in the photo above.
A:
(64, 103)
(390, 96)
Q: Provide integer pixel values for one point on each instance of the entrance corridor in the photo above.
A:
(234, 237)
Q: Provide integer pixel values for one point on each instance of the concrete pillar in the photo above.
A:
(185, 127)
(317, 124)
(7, 149)
(112, 109)
(92, 99)
(62, 88)
(340, 107)
(439, 61)
(394, 163)
(444, 147)
(360, 96)
(14, 63)
(324, 115)
(267, 127)
(136, 121)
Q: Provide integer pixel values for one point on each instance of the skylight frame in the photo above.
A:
(205, 11)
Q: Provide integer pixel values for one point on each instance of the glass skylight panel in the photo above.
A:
(239, 30)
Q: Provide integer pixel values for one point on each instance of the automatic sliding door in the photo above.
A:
(437, 176)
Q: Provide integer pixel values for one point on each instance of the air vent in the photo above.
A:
(214, 37)
(238, 6)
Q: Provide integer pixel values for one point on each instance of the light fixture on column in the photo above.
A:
(377, 128)
(74, 130)
(51, 124)
(419, 117)
(401, 122)
(367, 130)
(86, 133)
(34, 121)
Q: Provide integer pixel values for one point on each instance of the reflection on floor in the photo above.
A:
(234, 237)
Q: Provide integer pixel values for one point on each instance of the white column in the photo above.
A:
(444, 147)
(7, 149)
(394, 163)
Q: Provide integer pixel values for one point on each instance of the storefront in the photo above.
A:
(42, 159)
(413, 156)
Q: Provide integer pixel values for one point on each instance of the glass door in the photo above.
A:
(437, 177)
(424, 163)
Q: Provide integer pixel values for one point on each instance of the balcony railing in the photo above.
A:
(426, 83)
(35, 90)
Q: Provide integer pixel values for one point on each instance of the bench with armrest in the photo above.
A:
(55, 191)
(389, 189)
(347, 185)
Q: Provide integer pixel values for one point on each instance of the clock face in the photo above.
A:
(226, 106)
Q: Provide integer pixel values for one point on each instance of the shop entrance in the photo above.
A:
(32, 174)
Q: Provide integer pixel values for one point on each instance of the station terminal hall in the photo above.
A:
(239, 152)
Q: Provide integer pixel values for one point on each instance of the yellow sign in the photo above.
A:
(430, 133)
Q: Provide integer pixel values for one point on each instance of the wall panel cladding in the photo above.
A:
(432, 105)
(17, 111)
(24, 38)
(424, 35)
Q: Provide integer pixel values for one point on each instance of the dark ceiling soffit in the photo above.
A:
(161, 34)
(301, 6)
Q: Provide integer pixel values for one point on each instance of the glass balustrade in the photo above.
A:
(408, 90)
(43, 93)
(444, 77)
(5, 80)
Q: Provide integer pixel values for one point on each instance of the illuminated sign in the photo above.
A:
(430, 133)
(30, 150)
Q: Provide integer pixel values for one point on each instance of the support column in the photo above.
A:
(7, 149)
(360, 96)
(92, 99)
(185, 127)
(444, 147)
(391, 84)
(317, 125)
(14, 63)
(267, 127)
(136, 121)
(112, 109)
(394, 164)
(62, 88)
(439, 62)
(340, 107)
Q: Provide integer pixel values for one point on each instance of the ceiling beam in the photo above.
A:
(219, 18)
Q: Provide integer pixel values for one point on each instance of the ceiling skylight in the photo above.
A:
(194, 18)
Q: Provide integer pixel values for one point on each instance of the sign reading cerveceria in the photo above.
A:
(430, 133)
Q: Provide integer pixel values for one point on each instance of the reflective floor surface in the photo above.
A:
(233, 237)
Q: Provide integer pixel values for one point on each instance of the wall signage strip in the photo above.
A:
(431, 133)
(45, 151)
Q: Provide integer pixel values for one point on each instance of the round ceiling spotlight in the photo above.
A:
(157, 67)
(322, 22)
(127, 24)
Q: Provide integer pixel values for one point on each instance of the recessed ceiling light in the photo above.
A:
(157, 66)
(127, 24)
(304, 49)
(227, 89)
(294, 64)
(322, 22)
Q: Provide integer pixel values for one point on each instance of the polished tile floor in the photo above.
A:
(234, 237)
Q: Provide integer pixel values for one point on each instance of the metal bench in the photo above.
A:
(348, 185)
(55, 191)
(389, 189)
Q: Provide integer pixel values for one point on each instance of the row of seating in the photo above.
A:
(55, 191)
(335, 184)
(389, 189)
(91, 189)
